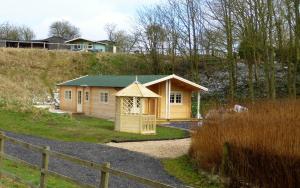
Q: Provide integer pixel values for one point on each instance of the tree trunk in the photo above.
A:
(250, 81)
(297, 45)
(271, 51)
(229, 38)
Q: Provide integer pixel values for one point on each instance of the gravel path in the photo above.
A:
(184, 125)
(158, 149)
(121, 159)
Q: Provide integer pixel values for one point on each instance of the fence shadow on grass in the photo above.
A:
(104, 169)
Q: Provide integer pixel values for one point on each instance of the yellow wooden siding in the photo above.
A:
(183, 110)
(177, 111)
(100, 109)
(93, 107)
(66, 104)
(86, 103)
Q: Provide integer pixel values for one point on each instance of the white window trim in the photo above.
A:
(103, 102)
(175, 93)
(68, 97)
(86, 92)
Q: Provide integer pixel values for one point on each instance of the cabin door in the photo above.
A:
(79, 100)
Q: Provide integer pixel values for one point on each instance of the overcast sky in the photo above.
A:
(89, 15)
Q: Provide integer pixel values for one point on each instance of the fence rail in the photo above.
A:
(104, 169)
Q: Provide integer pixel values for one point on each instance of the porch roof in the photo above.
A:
(136, 89)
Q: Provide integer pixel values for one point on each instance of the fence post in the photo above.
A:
(1, 149)
(104, 176)
(225, 159)
(44, 169)
(225, 164)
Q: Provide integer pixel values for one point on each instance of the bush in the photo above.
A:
(267, 130)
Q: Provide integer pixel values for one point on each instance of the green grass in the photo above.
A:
(183, 169)
(78, 128)
(29, 175)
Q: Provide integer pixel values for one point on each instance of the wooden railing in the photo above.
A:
(104, 169)
(148, 124)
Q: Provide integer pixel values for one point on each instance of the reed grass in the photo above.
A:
(268, 133)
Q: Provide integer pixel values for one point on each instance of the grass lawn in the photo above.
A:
(77, 129)
(183, 169)
(29, 175)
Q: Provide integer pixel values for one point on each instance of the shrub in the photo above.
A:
(266, 136)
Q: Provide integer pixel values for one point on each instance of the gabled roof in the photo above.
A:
(136, 89)
(54, 38)
(107, 41)
(173, 76)
(80, 38)
(125, 80)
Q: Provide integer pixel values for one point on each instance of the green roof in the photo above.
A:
(111, 81)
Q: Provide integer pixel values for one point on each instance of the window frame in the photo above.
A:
(68, 95)
(86, 95)
(175, 94)
(107, 98)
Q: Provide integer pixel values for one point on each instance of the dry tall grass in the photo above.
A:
(266, 136)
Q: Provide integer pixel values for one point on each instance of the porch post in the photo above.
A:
(198, 106)
(169, 94)
(167, 99)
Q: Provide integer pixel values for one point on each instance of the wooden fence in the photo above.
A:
(104, 169)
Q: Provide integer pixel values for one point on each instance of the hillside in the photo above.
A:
(31, 74)
(27, 74)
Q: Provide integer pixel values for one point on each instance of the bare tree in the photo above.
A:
(64, 29)
(266, 32)
(13, 32)
(110, 30)
(222, 12)
(124, 41)
(26, 33)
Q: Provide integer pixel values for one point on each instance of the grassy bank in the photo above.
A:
(77, 128)
(265, 143)
(184, 169)
(31, 74)
(29, 175)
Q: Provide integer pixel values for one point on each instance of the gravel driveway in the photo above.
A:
(159, 149)
(132, 162)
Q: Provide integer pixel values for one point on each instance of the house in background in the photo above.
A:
(81, 44)
(111, 45)
(96, 96)
(51, 43)
(59, 43)
(55, 43)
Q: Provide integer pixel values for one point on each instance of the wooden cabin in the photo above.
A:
(96, 95)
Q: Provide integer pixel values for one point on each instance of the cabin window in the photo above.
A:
(68, 95)
(87, 96)
(90, 46)
(77, 46)
(175, 97)
(104, 97)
